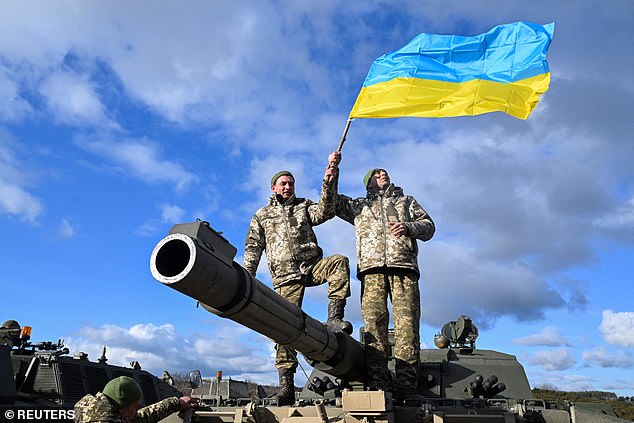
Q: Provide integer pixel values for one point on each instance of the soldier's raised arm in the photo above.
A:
(325, 209)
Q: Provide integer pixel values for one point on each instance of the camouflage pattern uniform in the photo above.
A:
(284, 230)
(99, 408)
(388, 267)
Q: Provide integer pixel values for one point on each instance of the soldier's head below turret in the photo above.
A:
(125, 394)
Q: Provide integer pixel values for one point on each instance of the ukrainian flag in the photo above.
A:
(502, 70)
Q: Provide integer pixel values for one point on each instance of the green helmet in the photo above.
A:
(281, 173)
(10, 324)
(368, 175)
(123, 391)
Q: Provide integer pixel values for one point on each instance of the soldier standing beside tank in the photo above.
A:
(284, 230)
(387, 225)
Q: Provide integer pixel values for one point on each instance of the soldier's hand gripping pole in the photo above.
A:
(197, 261)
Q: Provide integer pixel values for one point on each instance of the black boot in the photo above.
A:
(286, 394)
(335, 316)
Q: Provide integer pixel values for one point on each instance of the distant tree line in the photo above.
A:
(623, 406)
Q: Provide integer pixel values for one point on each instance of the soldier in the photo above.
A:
(284, 229)
(119, 402)
(387, 224)
(10, 333)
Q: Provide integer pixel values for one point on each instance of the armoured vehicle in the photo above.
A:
(40, 381)
(457, 383)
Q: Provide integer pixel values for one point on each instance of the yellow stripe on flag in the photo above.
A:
(403, 97)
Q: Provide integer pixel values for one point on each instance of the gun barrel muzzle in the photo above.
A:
(200, 268)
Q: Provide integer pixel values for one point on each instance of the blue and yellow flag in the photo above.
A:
(434, 75)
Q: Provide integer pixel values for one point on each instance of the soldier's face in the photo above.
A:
(129, 412)
(380, 180)
(284, 186)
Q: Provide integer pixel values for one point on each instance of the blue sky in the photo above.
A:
(119, 119)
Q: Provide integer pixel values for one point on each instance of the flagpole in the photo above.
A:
(345, 132)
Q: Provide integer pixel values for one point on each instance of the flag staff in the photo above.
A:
(345, 132)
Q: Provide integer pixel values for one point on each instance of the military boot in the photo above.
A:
(335, 316)
(286, 394)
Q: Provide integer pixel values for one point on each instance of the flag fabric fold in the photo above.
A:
(434, 75)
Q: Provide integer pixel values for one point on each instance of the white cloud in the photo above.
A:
(549, 337)
(66, 229)
(163, 347)
(617, 328)
(604, 358)
(15, 176)
(456, 281)
(621, 217)
(142, 160)
(172, 213)
(72, 99)
(16, 201)
(557, 359)
(149, 332)
(12, 106)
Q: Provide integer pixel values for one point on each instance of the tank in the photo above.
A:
(42, 381)
(457, 381)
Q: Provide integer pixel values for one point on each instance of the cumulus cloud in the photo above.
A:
(66, 229)
(14, 200)
(142, 159)
(617, 328)
(604, 358)
(12, 106)
(619, 221)
(549, 337)
(557, 359)
(172, 213)
(455, 282)
(163, 347)
(72, 99)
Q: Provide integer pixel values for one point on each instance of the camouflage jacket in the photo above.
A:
(98, 408)
(376, 246)
(284, 230)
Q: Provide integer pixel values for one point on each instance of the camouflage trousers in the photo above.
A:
(402, 288)
(335, 270)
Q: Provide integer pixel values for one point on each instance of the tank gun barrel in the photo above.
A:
(197, 261)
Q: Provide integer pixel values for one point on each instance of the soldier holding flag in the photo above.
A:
(388, 224)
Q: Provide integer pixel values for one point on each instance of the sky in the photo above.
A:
(119, 119)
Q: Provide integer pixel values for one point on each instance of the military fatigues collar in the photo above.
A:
(391, 191)
(278, 200)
